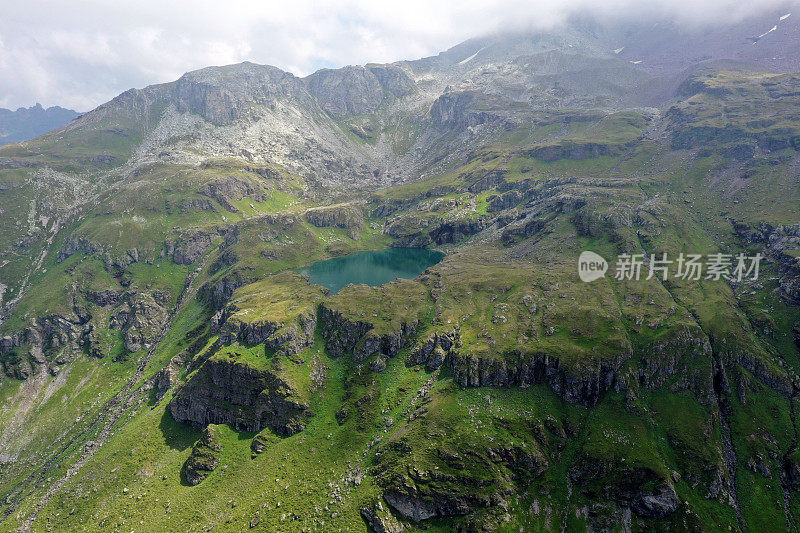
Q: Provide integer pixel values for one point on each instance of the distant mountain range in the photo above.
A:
(28, 123)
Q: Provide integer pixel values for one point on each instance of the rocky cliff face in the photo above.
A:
(639, 489)
(358, 90)
(780, 243)
(246, 398)
(584, 384)
(112, 259)
(141, 320)
(188, 246)
(420, 232)
(51, 341)
(435, 350)
(348, 217)
(345, 337)
(457, 111)
(276, 336)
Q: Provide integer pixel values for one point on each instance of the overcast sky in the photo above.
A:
(79, 54)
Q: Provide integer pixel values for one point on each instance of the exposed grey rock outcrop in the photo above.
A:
(583, 384)
(356, 90)
(246, 398)
(218, 292)
(232, 189)
(640, 489)
(141, 320)
(380, 519)
(417, 503)
(284, 338)
(504, 201)
(222, 94)
(344, 337)
(188, 246)
(352, 90)
(777, 243)
(393, 79)
(459, 111)
(572, 150)
(57, 339)
(204, 458)
(419, 233)
(337, 216)
(433, 351)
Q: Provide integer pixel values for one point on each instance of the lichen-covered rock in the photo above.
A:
(583, 383)
(188, 246)
(380, 519)
(344, 336)
(205, 456)
(337, 216)
(433, 351)
(144, 322)
(246, 398)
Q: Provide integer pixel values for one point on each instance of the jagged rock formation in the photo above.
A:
(338, 216)
(205, 456)
(188, 246)
(781, 244)
(344, 337)
(433, 351)
(246, 398)
(584, 384)
(380, 519)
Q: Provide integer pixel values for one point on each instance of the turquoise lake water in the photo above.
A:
(372, 268)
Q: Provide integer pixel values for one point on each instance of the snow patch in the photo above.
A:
(768, 32)
(470, 58)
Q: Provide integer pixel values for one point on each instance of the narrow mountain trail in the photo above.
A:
(130, 396)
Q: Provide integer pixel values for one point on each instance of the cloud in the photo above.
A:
(80, 54)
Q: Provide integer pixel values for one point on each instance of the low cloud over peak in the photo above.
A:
(79, 55)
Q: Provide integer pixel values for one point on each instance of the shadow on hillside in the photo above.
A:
(177, 436)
